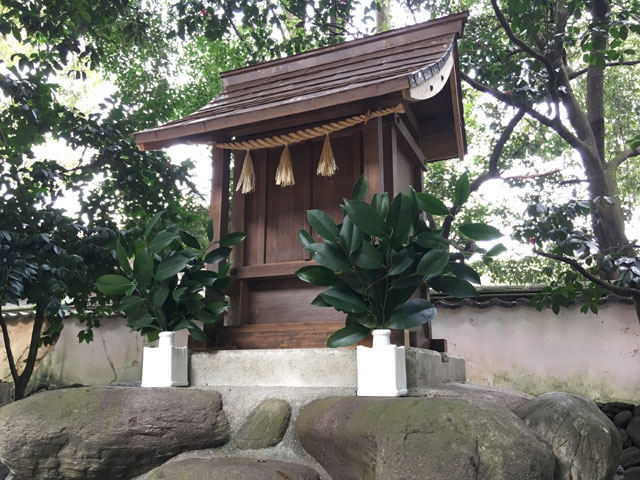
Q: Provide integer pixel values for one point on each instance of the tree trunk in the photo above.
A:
(21, 381)
(383, 16)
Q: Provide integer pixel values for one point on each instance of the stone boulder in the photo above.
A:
(585, 442)
(427, 438)
(265, 426)
(231, 468)
(107, 432)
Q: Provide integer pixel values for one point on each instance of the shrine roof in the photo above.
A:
(369, 67)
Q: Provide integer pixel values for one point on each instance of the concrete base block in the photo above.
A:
(313, 368)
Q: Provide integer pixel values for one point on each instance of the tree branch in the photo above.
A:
(537, 175)
(554, 124)
(623, 156)
(512, 36)
(7, 347)
(492, 172)
(624, 291)
(577, 73)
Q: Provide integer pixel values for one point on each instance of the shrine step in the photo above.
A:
(313, 368)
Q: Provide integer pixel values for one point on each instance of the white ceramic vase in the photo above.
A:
(382, 370)
(165, 365)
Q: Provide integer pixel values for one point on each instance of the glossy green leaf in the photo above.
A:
(430, 204)
(344, 300)
(496, 250)
(132, 303)
(217, 255)
(453, 286)
(347, 336)
(141, 321)
(189, 240)
(411, 314)
(197, 333)
(480, 231)
(360, 189)
(323, 225)
(366, 218)
(206, 316)
(317, 275)
(143, 267)
(329, 256)
(205, 277)
(381, 203)
(123, 259)
(465, 272)
(351, 235)
(152, 223)
(361, 319)
(431, 240)
(217, 308)
(162, 241)
(401, 261)
(160, 296)
(399, 219)
(319, 302)
(305, 238)
(232, 239)
(171, 266)
(368, 257)
(461, 191)
(432, 263)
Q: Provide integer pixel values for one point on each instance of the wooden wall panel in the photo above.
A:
(287, 301)
(404, 176)
(254, 211)
(286, 206)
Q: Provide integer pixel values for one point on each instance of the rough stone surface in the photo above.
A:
(586, 444)
(427, 438)
(510, 399)
(630, 457)
(232, 468)
(265, 426)
(633, 430)
(107, 432)
(623, 418)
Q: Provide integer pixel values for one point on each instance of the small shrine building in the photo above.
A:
(386, 105)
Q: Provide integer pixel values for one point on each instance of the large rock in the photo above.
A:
(107, 432)
(232, 468)
(426, 438)
(585, 442)
(265, 426)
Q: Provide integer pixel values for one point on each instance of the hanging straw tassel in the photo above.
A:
(247, 180)
(327, 165)
(284, 172)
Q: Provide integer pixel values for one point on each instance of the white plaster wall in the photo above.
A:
(593, 355)
(115, 355)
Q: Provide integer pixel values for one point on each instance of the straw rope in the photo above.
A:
(307, 133)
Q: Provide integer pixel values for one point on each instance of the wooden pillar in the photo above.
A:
(219, 205)
(219, 214)
(373, 155)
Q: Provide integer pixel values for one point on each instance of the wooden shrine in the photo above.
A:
(397, 100)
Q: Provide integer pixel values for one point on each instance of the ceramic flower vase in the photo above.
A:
(165, 365)
(382, 370)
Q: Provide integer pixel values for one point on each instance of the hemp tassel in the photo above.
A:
(327, 165)
(247, 180)
(284, 172)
